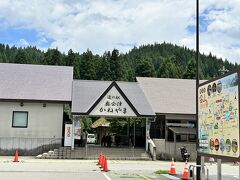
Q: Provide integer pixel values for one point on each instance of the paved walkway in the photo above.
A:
(44, 169)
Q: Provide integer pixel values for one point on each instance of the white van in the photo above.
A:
(91, 138)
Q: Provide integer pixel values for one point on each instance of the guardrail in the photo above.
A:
(28, 146)
(191, 171)
(152, 149)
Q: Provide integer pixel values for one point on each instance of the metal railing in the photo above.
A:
(152, 149)
(192, 171)
(28, 146)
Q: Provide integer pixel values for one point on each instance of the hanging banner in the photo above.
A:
(218, 117)
(68, 135)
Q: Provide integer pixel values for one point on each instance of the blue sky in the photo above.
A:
(23, 37)
(106, 24)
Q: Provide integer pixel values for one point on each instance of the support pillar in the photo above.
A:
(128, 134)
(175, 145)
(147, 133)
(239, 170)
(202, 168)
(219, 169)
(73, 125)
(134, 133)
(166, 130)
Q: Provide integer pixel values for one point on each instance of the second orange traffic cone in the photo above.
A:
(16, 157)
(185, 172)
(172, 169)
(105, 167)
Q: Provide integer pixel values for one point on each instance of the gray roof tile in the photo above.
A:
(35, 82)
(177, 96)
(86, 93)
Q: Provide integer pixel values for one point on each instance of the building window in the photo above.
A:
(20, 119)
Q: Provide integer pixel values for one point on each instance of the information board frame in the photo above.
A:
(219, 156)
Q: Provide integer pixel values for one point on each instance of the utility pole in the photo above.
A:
(198, 160)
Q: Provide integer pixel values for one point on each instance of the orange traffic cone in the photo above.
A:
(185, 173)
(16, 156)
(103, 162)
(172, 169)
(105, 167)
(99, 159)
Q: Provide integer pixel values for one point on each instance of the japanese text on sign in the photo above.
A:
(113, 104)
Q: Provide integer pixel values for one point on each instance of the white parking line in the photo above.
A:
(169, 176)
(106, 176)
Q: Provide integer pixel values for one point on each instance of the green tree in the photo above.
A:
(169, 69)
(88, 70)
(145, 69)
(190, 72)
(21, 57)
(72, 60)
(3, 57)
(53, 57)
(104, 72)
(115, 66)
(167, 59)
(86, 124)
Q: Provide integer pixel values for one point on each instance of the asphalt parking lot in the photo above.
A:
(36, 169)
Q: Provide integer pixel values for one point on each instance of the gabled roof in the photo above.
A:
(35, 82)
(87, 92)
(175, 96)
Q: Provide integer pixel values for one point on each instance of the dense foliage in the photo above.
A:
(156, 60)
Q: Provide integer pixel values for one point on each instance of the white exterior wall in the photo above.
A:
(44, 125)
(43, 122)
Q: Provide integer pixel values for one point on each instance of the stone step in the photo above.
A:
(93, 153)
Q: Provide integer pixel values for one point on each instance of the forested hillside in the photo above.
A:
(155, 60)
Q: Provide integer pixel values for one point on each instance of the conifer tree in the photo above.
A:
(115, 66)
(87, 65)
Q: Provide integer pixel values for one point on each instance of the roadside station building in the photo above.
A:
(32, 99)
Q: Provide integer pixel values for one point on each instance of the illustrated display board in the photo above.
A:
(218, 117)
(113, 104)
(68, 135)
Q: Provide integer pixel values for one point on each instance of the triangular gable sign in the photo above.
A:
(113, 102)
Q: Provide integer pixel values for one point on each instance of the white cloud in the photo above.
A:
(106, 24)
(23, 42)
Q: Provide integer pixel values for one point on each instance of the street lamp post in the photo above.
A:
(197, 83)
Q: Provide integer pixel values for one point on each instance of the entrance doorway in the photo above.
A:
(121, 105)
(111, 132)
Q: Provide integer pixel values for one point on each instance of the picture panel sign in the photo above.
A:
(218, 117)
(113, 104)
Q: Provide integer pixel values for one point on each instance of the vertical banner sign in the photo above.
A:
(218, 117)
(68, 135)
